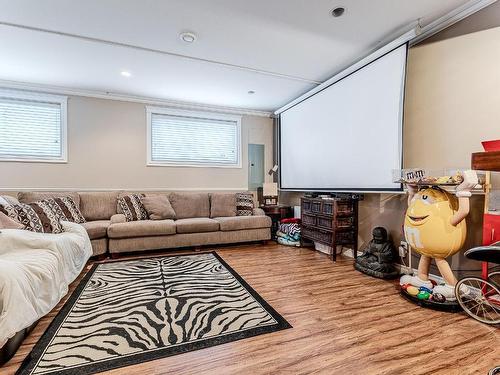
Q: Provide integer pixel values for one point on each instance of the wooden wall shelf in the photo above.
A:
(486, 161)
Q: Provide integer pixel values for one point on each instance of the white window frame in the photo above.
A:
(42, 98)
(150, 110)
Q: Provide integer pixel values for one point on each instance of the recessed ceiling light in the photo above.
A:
(251, 92)
(188, 37)
(126, 74)
(337, 12)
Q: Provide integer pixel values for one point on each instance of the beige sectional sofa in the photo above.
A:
(195, 223)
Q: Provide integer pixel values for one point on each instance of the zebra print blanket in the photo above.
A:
(138, 310)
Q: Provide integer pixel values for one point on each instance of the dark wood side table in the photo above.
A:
(276, 213)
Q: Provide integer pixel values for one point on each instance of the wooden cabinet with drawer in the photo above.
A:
(331, 222)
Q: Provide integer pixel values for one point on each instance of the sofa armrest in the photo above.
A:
(118, 218)
(258, 212)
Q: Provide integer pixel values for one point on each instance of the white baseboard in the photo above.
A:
(402, 268)
(349, 252)
(412, 271)
(405, 269)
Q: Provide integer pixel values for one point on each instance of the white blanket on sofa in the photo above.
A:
(35, 271)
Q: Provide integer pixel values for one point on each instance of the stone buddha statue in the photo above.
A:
(378, 258)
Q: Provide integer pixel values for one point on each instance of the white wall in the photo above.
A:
(451, 104)
(107, 150)
(452, 99)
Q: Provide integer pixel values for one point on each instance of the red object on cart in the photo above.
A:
(490, 146)
(491, 222)
(484, 306)
(491, 229)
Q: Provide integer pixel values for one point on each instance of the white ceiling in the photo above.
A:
(297, 39)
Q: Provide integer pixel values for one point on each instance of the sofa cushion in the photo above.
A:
(99, 246)
(34, 196)
(121, 245)
(98, 205)
(158, 207)
(142, 228)
(243, 222)
(258, 212)
(118, 218)
(97, 228)
(9, 223)
(244, 204)
(131, 206)
(222, 204)
(188, 205)
(196, 225)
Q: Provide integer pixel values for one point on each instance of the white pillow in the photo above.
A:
(6, 200)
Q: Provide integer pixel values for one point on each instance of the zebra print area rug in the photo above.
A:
(133, 311)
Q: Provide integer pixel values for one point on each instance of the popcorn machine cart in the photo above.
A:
(480, 296)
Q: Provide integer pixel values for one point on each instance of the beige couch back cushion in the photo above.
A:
(98, 205)
(33, 196)
(158, 206)
(222, 204)
(187, 205)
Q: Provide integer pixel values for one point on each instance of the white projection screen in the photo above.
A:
(347, 137)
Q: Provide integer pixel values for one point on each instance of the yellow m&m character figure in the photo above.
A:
(435, 227)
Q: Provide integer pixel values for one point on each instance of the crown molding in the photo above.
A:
(61, 90)
(451, 18)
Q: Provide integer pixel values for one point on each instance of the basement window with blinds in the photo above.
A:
(32, 127)
(193, 139)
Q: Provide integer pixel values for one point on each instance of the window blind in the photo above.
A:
(186, 140)
(30, 129)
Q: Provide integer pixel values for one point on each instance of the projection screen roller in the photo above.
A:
(347, 137)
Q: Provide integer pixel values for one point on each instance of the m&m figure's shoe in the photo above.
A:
(415, 281)
(446, 290)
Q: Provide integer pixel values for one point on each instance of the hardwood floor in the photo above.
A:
(343, 322)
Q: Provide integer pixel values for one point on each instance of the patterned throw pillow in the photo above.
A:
(68, 209)
(132, 207)
(244, 204)
(42, 216)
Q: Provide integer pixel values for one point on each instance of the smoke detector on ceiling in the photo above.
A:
(337, 12)
(188, 37)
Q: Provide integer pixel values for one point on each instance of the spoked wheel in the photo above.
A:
(480, 299)
(494, 277)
